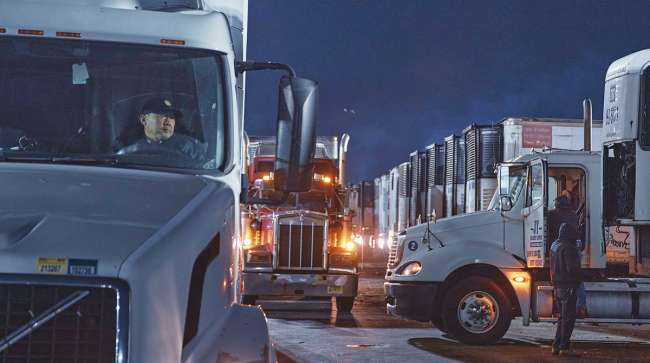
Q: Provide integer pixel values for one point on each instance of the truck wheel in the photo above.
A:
(476, 311)
(248, 299)
(344, 304)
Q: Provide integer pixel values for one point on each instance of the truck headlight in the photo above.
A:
(412, 268)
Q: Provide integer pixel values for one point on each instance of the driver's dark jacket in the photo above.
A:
(565, 259)
(179, 142)
(558, 216)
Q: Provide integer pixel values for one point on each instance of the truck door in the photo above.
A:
(534, 212)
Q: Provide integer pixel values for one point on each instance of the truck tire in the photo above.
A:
(476, 311)
(437, 322)
(344, 304)
(248, 299)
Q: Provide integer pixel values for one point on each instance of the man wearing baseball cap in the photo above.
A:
(158, 117)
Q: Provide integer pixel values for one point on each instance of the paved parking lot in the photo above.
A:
(314, 332)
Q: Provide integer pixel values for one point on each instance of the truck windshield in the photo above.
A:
(516, 180)
(91, 102)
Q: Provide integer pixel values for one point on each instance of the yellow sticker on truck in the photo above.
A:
(66, 266)
(54, 266)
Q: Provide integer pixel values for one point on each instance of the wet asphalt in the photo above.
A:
(314, 331)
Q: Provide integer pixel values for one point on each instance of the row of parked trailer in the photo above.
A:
(454, 176)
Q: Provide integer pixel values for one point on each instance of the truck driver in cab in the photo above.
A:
(158, 118)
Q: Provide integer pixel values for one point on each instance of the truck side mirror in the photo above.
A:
(506, 203)
(296, 134)
(504, 180)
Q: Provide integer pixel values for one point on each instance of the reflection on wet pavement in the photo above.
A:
(538, 350)
(311, 330)
(329, 316)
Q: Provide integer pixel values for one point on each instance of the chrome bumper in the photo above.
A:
(295, 284)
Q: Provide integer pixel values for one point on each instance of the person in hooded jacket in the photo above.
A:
(564, 213)
(566, 275)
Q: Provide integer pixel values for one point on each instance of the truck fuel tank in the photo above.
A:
(616, 300)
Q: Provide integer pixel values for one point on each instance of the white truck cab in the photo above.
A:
(121, 172)
(471, 274)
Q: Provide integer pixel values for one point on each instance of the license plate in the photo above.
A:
(333, 289)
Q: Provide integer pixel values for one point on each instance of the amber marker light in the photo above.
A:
(3, 30)
(172, 41)
(68, 34)
(30, 32)
(519, 279)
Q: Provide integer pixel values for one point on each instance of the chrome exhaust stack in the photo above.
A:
(343, 157)
(588, 123)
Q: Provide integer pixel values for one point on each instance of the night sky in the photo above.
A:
(415, 71)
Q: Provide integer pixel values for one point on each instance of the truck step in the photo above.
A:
(602, 320)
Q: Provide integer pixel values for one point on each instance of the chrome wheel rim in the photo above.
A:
(478, 312)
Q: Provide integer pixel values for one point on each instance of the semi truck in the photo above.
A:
(470, 275)
(626, 158)
(121, 171)
(301, 247)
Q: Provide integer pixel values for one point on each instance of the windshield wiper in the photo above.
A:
(84, 160)
(60, 159)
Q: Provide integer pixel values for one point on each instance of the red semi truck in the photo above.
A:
(301, 247)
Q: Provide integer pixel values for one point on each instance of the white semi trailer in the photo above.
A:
(472, 274)
(121, 172)
(435, 181)
(454, 202)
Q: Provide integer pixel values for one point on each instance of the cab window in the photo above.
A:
(566, 182)
(535, 193)
(644, 124)
(552, 191)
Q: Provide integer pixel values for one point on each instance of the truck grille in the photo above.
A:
(84, 332)
(301, 244)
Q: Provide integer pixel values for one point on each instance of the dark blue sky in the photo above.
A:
(416, 71)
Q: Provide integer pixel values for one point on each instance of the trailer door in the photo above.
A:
(534, 212)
